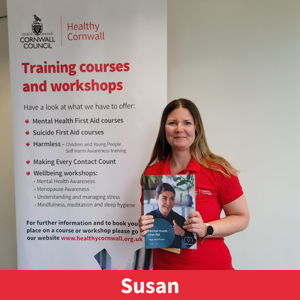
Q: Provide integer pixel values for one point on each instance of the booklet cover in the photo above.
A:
(169, 199)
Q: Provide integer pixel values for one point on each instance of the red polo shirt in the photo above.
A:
(213, 190)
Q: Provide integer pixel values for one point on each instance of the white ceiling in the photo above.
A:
(3, 8)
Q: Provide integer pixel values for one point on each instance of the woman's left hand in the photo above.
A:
(195, 224)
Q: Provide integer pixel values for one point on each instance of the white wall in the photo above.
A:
(239, 61)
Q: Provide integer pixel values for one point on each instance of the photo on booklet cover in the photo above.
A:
(169, 199)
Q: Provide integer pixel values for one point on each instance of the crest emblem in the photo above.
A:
(37, 25)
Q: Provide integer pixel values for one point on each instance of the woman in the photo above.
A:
(165, 198)
(181, 148)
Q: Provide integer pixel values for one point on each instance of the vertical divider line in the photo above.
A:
(61, 39)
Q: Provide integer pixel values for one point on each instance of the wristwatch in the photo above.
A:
(209, 230)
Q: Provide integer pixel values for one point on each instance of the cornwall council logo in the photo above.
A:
(37, 25)
(37, 38)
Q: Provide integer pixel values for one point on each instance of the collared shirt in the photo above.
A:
(212, 191)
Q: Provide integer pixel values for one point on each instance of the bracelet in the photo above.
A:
(202, 239)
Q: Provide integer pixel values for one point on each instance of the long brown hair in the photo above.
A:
(199, 149)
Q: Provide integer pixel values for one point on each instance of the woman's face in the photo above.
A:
(165, 201)
(180, 129)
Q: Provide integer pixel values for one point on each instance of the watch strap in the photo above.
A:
(211, 231)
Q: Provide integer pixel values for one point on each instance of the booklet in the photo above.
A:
(169, 199)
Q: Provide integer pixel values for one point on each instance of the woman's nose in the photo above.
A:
(179, 127)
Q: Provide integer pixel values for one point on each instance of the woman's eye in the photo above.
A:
(188, 123)
(171, 123)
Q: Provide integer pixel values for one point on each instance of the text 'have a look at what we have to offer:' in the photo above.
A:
(72, 69)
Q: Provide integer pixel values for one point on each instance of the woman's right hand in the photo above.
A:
(145, 223)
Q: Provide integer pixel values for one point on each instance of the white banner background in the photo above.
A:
(132, 32)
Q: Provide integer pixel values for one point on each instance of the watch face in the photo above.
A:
(209, 230)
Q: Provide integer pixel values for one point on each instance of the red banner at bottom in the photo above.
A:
(145, 284)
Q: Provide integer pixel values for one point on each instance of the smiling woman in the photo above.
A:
(181, 148)
(180, 129)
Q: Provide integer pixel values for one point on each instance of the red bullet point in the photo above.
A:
(34, 204)
(27, 162)
(27, 132)
(34, 197)
(27, 144)
(28, 173)
(27, 121)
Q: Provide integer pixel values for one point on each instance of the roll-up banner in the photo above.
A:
(89, 83)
